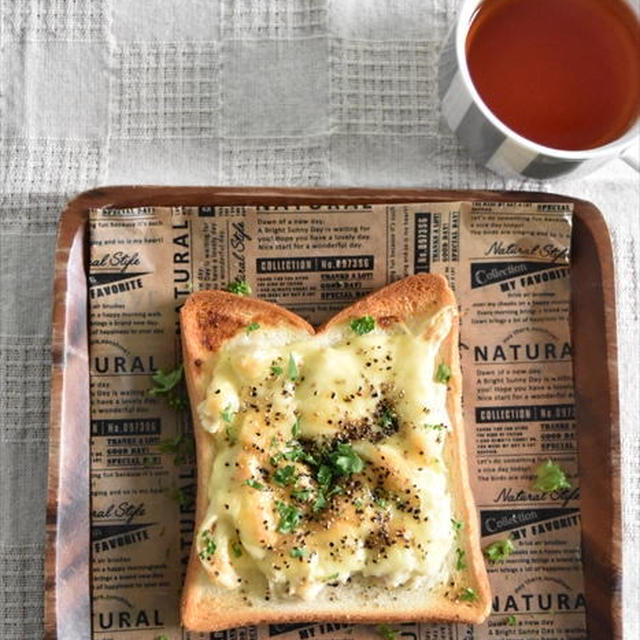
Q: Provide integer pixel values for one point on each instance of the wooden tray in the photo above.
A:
(593, 329)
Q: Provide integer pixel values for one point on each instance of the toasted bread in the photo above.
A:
(269, 529)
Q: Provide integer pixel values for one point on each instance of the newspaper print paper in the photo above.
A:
(508, 264)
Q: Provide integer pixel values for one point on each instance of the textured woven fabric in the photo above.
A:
(286, 92)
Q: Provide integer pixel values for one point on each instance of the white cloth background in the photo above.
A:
(244, 92)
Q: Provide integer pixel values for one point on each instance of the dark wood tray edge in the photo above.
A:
(67, 558)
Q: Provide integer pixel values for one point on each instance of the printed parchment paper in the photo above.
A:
(509, 266)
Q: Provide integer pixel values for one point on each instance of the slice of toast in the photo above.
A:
(332, 471)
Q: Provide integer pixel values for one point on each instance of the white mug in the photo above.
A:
(488, 140)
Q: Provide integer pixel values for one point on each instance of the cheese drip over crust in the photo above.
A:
(330, 458)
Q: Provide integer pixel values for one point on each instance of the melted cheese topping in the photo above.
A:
(369, 408)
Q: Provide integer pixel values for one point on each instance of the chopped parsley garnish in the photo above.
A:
(468, 595)
(511, 621)
(296, 552)
(165, 381)
(209, 546)
(167, 386)
(333, 576)
(181, 446)
(254, 326)
(443, 373)
(320, 502)
(289, 517)
(386, 632)
(180, 497)
(345, 460)
(227, 417)
(362, 325)
(237, 549)
(324, 475)
(275, 459)
(329, 467)
(292, 368)
(254, 484)
(435, 427)
(499, 550)
(457, 525)
(227, 414)
(275, 370)
(294, 453)
(550, 477)
(387, 418)
(380, 501)
(295, 428)
(285, 475)
(239, 287)
(301, 494)
(460, 559)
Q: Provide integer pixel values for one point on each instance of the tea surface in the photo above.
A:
(563, 73)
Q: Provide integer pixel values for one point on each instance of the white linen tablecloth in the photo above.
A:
(242, 92)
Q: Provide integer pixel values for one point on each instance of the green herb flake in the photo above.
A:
(550, 477)
(320, 503)
(301, 494)
(177, 401)
(380, 501)
(227, 414)
(237, 549)
(468, 595)
(239, 287)
(386, 632)
(443, 373)
(511, 621)
(254, 484)
(294, 453)
(181, 446)
(168, 386)
(254, 326)
(180, 497)
(209, 546)
(362, 325)
(460, 559)
(285, 475)
(295, 428)
(435, 427)
(292, 368)
(499, 550)
(296, 552)
(275, 370)
(165, 381)
(387, 419)
(457, 525)
(345, 460)
(324, 475)
(289, 517)
(333, 576)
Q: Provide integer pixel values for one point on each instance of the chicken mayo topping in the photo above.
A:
(329, 458)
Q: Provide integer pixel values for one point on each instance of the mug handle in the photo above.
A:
(631, 156)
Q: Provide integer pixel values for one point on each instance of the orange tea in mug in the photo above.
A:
(562, 73)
